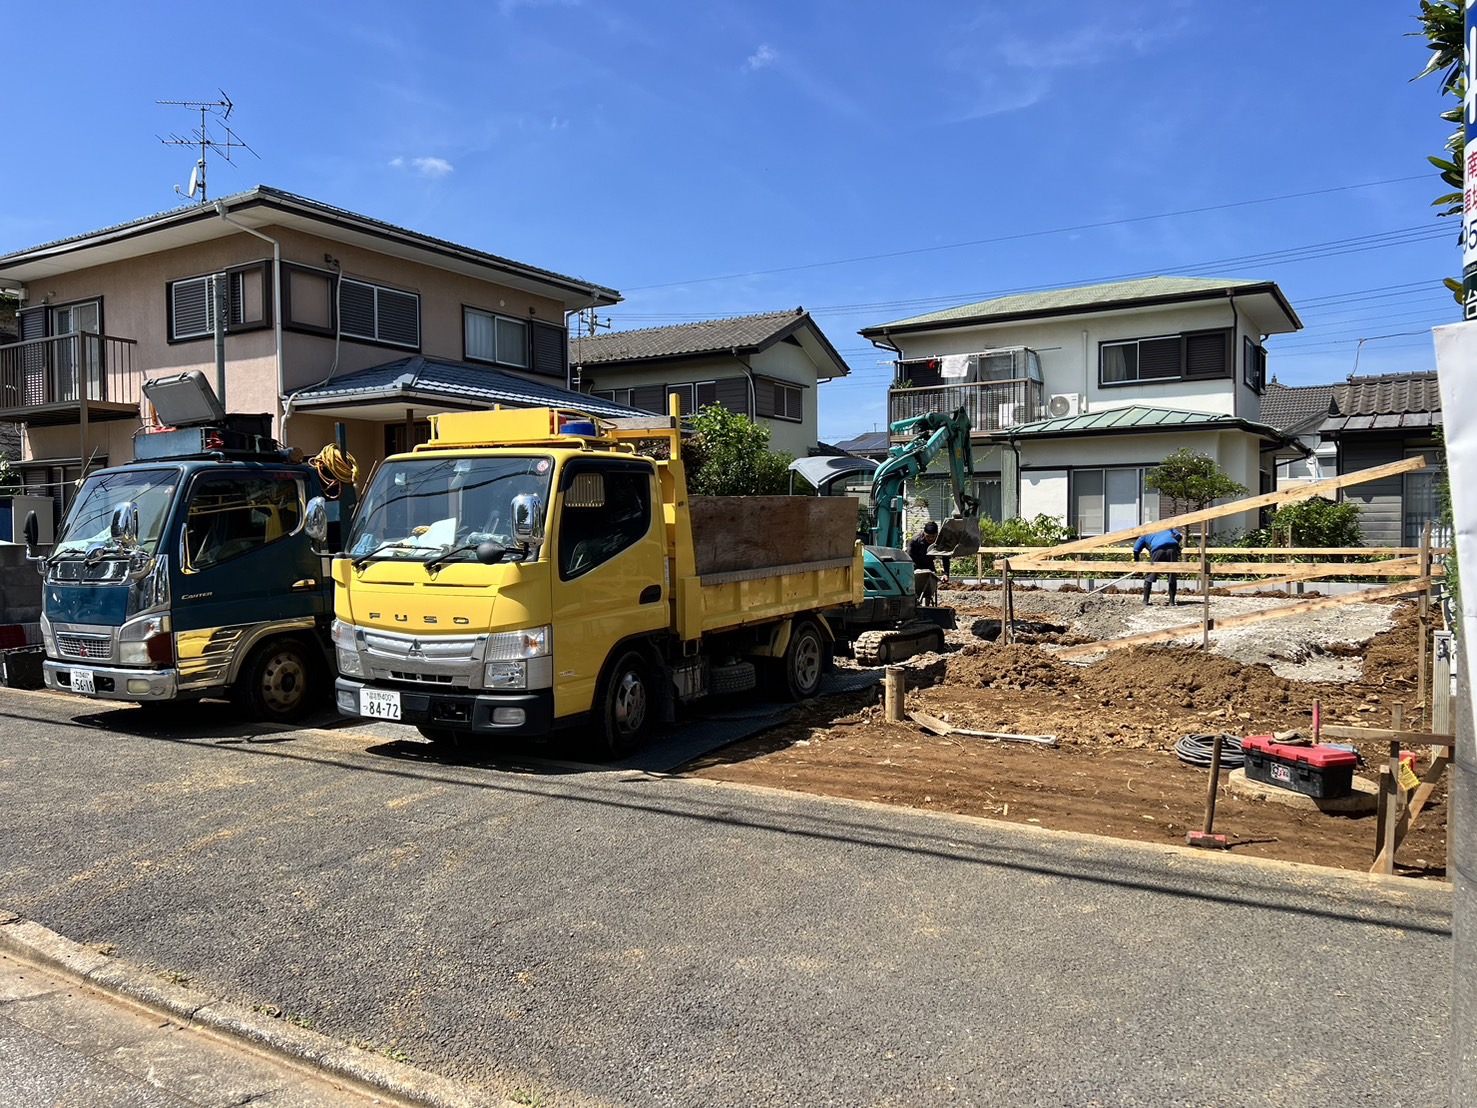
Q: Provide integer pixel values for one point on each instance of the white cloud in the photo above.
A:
(762, 58)
(426, 167)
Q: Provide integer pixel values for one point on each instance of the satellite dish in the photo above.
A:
(195, 180)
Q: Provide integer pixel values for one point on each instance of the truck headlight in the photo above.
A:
(509, 646)
(146, 642)
(48, 637)
(505, 675)
(346, 648)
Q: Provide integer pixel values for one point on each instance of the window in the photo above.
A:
(1107, 500)
(1253, 365)
(684, 394)
(615, 396)
(379, 314)
(1195, 354)
(307, 299)
(495, 338)
(607, 509)
(191, 303)
(398, 442)
(1419, 503)
(779, 399)
(232, 516)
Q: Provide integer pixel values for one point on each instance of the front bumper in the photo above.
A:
(469, 711)
(114, 682)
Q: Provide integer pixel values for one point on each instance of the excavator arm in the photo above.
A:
(933, 433)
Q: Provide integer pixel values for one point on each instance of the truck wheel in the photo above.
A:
(625, 706)
(279, 682)
(804, 662)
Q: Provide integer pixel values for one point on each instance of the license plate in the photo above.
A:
(379, 704)
(82, 681)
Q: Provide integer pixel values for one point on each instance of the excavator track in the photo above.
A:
(880, 648)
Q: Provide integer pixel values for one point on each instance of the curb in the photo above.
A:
(365, 1071)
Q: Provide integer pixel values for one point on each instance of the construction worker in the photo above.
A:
(1163, 546)
(925, 572)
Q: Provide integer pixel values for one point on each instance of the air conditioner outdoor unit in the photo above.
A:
(1064, 404)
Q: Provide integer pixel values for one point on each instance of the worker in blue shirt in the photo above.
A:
(1163, 546)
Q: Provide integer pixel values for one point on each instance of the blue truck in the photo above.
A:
(195, 570)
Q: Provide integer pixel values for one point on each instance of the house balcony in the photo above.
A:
(64, 379)
(992, 406)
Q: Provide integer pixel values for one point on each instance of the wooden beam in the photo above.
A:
(1390, 567)
(1418, 801)
(1248, 504)
(1285, 612)
(1386, 734)
(1397, 567)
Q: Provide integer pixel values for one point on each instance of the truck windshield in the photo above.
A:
(421, 507)
(90, 519)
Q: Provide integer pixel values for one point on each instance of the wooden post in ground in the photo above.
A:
(1007, 608)
(1422, 657)
(979, 568)
(1390, 794)
(1205, 596)
(1215, 778)
(894, 692)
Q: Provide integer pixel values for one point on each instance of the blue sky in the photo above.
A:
(868, 161)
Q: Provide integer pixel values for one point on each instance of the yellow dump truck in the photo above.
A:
(535, 569)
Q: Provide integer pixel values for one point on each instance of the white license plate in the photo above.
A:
(379, 704)
(82, 681)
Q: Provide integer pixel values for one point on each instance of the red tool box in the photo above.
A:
(1324, 772)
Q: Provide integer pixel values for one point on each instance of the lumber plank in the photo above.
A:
(1418, 801)
(1300, 608)
(1391, 567)
(1246, 504)
(939, 727)
(1386, 734)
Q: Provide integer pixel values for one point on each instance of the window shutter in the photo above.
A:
(1205, 354)
(190, 304)
(356, 309)
(550, 351)
(1159, 358)
(399, 317)
(649, 398)
(31, 324)
(707, 393)
(733, 394)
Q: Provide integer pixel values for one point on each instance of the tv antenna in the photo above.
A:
(201, 139)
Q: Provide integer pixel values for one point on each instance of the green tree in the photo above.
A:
(1192, 481)
(729, 455)
(1319, 522)
(1441, 27)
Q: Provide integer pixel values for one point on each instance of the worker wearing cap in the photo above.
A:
(1163, 546)
(925, 576)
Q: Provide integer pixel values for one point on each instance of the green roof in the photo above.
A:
(1138, 420)
(1088, 298)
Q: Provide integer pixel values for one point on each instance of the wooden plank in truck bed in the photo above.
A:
(731, 533)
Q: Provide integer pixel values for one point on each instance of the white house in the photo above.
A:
(1076, 394)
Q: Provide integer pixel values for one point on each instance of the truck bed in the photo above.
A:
(763, 557)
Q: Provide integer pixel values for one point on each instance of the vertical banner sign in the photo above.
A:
(1469, 163)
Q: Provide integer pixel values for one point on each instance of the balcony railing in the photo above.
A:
(992, 406)
(62, 370)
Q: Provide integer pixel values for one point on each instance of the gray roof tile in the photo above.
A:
(1290, 406)
(709, 336)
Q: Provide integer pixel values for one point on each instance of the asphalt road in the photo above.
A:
(588, 936)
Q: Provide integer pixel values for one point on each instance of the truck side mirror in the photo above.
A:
(124, 527)
(32, 532)
(528, 519)
(315, 523)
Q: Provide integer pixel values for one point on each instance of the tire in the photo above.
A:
(280, 682)
(735, 678)
(625, 707)
(804, 662)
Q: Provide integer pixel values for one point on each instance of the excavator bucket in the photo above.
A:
(958, 537)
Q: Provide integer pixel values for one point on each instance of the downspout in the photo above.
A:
(749, 373)
(1235, 377)
(885, 343)
(220, 210)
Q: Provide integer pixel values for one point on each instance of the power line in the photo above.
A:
(1027, 234)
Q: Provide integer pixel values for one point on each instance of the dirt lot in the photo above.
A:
(1117, 720)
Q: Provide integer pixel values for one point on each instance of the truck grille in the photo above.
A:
(425, 678)
(443, 660)
(72, 645)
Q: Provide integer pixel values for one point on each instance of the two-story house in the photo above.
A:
(1076, 394)
(767, 367)
(331, 316)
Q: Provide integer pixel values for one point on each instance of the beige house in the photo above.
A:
(332, 316)
(765, 366)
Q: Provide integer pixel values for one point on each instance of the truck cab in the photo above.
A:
(193, 571)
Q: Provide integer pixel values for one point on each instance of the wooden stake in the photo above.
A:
(1005, 602)
(1215, 778)
(1205, 604)
(895, 689)
(1424, 646)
